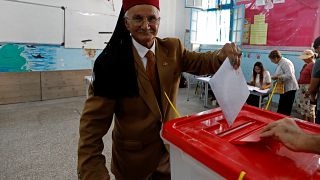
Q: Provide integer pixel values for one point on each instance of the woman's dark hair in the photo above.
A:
(275, 54)
(260, 65)
(114, 70)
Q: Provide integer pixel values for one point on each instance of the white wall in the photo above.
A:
(175, 19)
(168, 21)
(182, 20)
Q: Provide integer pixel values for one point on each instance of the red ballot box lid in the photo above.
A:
(228, 150)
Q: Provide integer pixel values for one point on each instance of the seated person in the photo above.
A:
(260, 78)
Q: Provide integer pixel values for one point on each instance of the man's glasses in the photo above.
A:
(138, 20)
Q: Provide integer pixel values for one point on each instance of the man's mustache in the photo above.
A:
(146, 31)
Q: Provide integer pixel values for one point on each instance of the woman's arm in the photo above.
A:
(266, 86)
(266, 80)
(315, 82)
(313, 89)
(251, 81)
(288, 71)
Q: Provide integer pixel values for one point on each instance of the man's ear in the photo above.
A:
(126, 23)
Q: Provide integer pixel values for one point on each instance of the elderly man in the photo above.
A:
(131, 76)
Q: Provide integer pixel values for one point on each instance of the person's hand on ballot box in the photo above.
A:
(292, 136)
(233, 52)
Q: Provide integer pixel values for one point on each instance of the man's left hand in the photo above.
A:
(233, 52)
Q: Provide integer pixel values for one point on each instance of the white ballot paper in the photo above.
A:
(230, 89)
(253, 88)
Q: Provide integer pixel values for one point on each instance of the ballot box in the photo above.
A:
(203, 146)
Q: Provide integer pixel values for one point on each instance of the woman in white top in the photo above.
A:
(284, 72)
(260, 78)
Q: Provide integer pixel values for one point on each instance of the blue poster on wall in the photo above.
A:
(25, 58)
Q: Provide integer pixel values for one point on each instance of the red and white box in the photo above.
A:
(203, 146)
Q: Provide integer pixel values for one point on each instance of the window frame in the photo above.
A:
(236, 20)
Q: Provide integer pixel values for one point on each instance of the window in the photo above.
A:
(218, 23)
(237, 24)
(201, 4)
(210, 27)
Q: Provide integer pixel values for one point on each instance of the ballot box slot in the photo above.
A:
(237, 128)
(242, 126)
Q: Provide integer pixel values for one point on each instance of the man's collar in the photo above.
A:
(142, 51)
